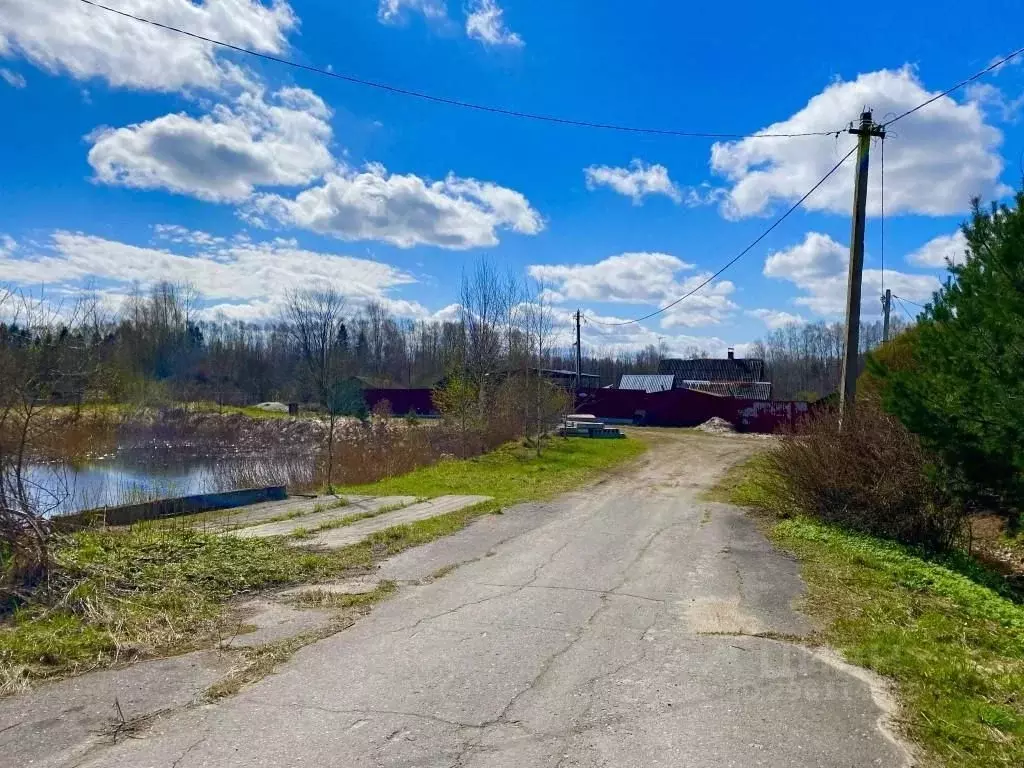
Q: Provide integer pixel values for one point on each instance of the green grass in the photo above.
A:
(946, 630)
(121, 594)
(511, 474)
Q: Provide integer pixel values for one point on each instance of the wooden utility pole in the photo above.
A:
(886, 307)
(865, 132)
(579, 354)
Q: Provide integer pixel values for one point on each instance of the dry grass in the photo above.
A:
(870, 475)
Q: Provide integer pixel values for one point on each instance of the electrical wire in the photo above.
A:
(456, 102)
(909, 301)
(905, 310)
(742, 253)
(881, 221)
(958, 86)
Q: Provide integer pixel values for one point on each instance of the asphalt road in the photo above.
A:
(628, 625)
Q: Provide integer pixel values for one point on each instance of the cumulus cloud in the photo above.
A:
(775, 318)
(939, 250)
(224, 155)
(818, 266)
(603, 337)
(404, 210)
(391, 11)
(13, 79)
(942, 156)
(628, 277)
(995, 101)
(641, 278)
(485, 22)
(239, 277)
(67, 36)
(637, 181)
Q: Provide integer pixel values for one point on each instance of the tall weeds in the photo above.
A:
(872, 475)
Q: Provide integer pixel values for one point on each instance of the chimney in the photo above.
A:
(732, 353)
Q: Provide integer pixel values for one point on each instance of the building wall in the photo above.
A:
(688, 408)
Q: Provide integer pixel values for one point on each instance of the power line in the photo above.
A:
(456, 102)
(958, 86)
(905, 310)
(742, 253)
(909, 301)
(881, 221)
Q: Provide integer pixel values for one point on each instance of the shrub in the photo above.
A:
(871, 476)
(964, 395)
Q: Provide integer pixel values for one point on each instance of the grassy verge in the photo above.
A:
(947, 631)
(120, 595)
(511, 474)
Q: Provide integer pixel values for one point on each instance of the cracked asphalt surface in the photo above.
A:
(628, 624)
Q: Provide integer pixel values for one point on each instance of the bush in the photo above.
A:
(873, 476)
(964, 393)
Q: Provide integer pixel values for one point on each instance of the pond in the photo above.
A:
(62, 488)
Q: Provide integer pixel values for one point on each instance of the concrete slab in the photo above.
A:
(275, 622)
(254, 514)
(355, 505)
(60, 723)
(352, 534)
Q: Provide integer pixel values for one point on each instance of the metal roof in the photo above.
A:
(714, 369)
(647, 382)
(752, 390)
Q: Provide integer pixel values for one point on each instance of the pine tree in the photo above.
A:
(964, 394)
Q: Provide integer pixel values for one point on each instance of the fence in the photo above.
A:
(688, 408)
(672, 408)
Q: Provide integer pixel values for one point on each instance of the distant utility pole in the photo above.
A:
(865, 132)
(579, 353)
(886, 307)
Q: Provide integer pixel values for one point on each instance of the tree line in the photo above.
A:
(159, 347)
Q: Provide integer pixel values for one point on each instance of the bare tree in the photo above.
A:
(315, 319)
(538, 323)
(44, 361)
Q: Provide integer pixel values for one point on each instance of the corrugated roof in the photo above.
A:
(714, 369)
(647, 382)
(752, 390)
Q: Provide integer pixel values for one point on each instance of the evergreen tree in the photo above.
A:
(964, 393)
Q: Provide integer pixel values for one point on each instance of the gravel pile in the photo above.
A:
(717, 426)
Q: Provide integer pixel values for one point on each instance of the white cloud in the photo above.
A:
(391, 11)
(603, 337)
(704, 194)
(175, 233)
(7, 246)
(938, 250)
(13, 79)
(448, 314)
(224, 155)
(404, 210)
(641, 278)
(241, 278)
(774, 318)
(993, 99)
(935, 160)
(817, 257)
(637, 181)
(484, 22)
(67, 36)
(628, 277)
(818, 266)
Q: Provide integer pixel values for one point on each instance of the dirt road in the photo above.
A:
(630, 624)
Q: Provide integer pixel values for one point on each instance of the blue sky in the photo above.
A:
(130, 154)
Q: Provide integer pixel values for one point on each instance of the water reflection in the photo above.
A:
(63, 488)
